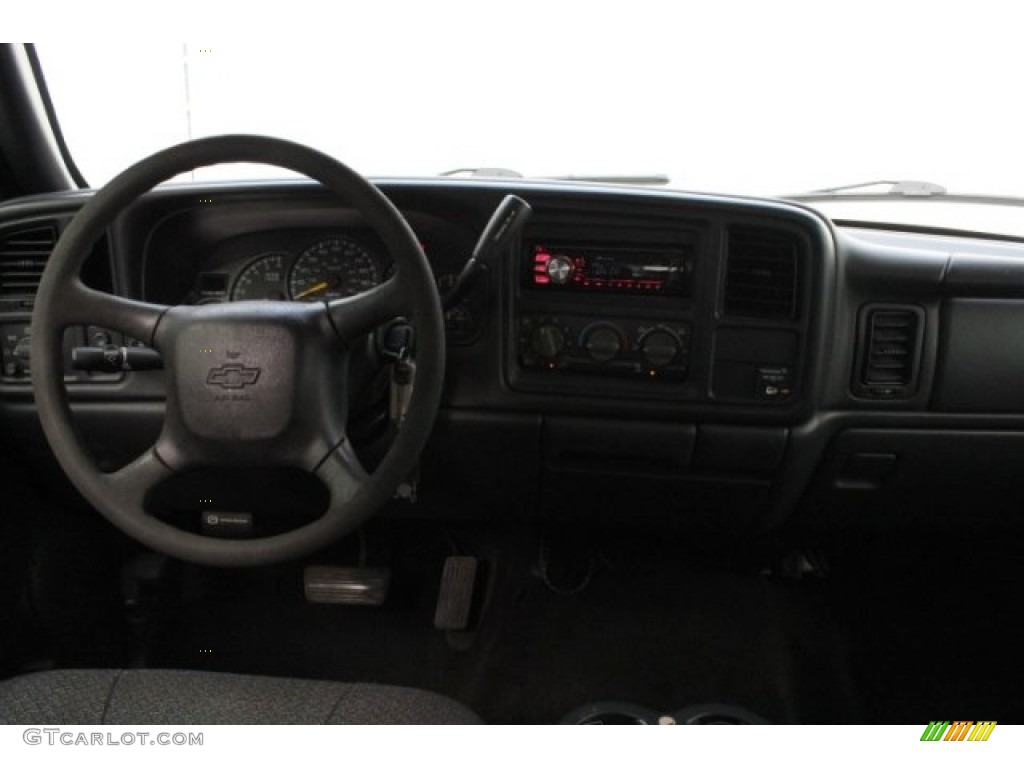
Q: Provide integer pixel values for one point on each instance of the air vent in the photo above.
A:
(23, 255)
(761, 274)
(890, 351)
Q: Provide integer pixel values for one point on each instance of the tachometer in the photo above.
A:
(262, 280)
(332, 269)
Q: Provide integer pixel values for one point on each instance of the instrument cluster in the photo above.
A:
(329, 268)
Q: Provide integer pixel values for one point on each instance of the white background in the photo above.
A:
(748, 97)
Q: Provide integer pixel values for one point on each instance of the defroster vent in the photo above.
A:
(761, 273)
(890, 352)
(23, 255)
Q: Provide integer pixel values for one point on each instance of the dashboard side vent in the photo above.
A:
(890, 351)
(23, 255)
(761, 273)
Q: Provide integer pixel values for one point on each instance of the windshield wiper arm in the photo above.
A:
(651, 180)
(501, 173)
(905, 188)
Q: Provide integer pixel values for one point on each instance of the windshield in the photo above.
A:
(768, 98)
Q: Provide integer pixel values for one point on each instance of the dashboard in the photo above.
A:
(638, 356)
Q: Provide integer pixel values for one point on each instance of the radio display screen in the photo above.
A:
(657, 270)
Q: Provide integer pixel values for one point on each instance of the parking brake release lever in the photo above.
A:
(506, 222)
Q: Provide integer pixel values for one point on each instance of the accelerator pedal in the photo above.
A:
(455, 598)
(346, 586)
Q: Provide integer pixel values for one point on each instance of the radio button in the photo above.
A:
(560, 270)
(603, 343)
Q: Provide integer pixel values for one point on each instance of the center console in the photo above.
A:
(581, 313)
(667, 356)
(607, 314)
(693, 311)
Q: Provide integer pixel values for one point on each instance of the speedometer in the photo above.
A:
(332, 269)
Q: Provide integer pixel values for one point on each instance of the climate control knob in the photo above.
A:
(659, 347)
(602, 342)
(547, 341)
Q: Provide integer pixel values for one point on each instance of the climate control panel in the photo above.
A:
(626, 347)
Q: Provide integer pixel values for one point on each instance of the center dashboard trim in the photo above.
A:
(701, 316)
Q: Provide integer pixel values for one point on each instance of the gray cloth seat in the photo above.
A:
(169, 697)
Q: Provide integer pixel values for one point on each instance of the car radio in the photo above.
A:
(648, 269)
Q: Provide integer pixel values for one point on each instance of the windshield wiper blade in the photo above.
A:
(647, 180)
(652, 180)
(501, 173)
(904, 188)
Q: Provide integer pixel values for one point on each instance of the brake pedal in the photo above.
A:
(455, 598)
(346, 586)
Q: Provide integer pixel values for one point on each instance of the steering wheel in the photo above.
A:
(249, 384)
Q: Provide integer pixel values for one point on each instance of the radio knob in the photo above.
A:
(659, 347)
(560, 270)
(547, 341)
(603, 343)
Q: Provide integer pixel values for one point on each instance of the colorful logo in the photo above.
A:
(959, 730)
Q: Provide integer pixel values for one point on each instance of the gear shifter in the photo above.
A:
(506, 222)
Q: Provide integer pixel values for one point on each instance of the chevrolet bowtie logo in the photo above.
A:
(232, 376)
